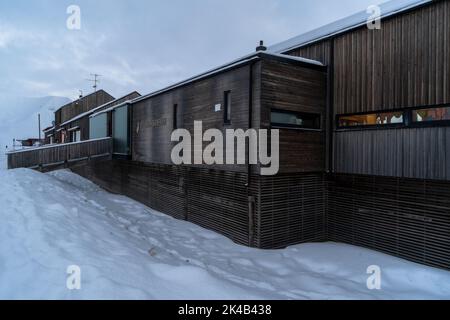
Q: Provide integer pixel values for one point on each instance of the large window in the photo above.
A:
(288, 119)
(121, 131)
(98, 127)
(372, 119)
(431, 114)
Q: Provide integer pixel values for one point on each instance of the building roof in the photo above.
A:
(233, 64)
(111, 108)
(82, 98)
(388, 9)
(48, 129)
(87, 113)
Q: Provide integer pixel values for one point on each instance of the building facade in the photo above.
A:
(363, 117)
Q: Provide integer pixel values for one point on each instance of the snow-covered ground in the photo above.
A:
(126, 250)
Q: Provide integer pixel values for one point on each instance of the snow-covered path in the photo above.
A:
(127, 251)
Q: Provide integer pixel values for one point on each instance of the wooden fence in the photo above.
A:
(60, 154)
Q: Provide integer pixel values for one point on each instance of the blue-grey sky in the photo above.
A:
(142, 44)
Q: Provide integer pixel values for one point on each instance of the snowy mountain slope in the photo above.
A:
(19, 116)
(126, 250)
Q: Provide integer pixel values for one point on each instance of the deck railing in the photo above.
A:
(59, 154)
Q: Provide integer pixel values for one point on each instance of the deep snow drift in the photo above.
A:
(126, 250)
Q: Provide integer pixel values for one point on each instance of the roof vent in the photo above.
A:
(261, 46)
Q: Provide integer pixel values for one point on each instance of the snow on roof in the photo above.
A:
(84, 97)
(241, 61)
(359, 19)
(111, 108)
(48, 129)
(82, 115)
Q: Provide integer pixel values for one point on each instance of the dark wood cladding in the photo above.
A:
(298, 89)
(284, 85)
(287, 210)
(403, 64)
(216, 200)
(407, 218)
(153, 118)
(291, 210)
(82, 105)
(410, 153)
(42, 157)
(84, 122)
(320, 51)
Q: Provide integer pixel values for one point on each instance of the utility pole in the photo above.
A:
(39, 125)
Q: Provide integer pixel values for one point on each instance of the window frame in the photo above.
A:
(432, 123)
(293, 126)
(175, 116)
(407, 119)
(227, 107)
(373, 126)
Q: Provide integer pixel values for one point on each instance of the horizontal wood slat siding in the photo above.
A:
(407, 218)
(60, 153)
(410, 153)
(153, 117)
(297, 89)
(292, 210)
(216, 200)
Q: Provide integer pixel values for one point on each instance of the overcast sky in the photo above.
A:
(142, 44)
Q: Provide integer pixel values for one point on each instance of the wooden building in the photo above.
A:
(78, 126)
(388, 130)
(232, 199)
(66, 133)
(364, 118)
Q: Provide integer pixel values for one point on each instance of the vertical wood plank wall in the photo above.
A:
(406, 63)
(422, 153)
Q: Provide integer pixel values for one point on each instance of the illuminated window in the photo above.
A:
(281, 118)
(431, 114)
(373, 119)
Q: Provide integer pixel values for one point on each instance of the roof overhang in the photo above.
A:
(74, 129)
(232, 65)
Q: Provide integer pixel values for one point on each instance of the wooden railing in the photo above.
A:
(59, 154)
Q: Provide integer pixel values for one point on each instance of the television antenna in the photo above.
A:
(95, 80)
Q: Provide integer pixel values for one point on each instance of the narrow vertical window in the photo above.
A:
(227, 107)
(175, 116)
